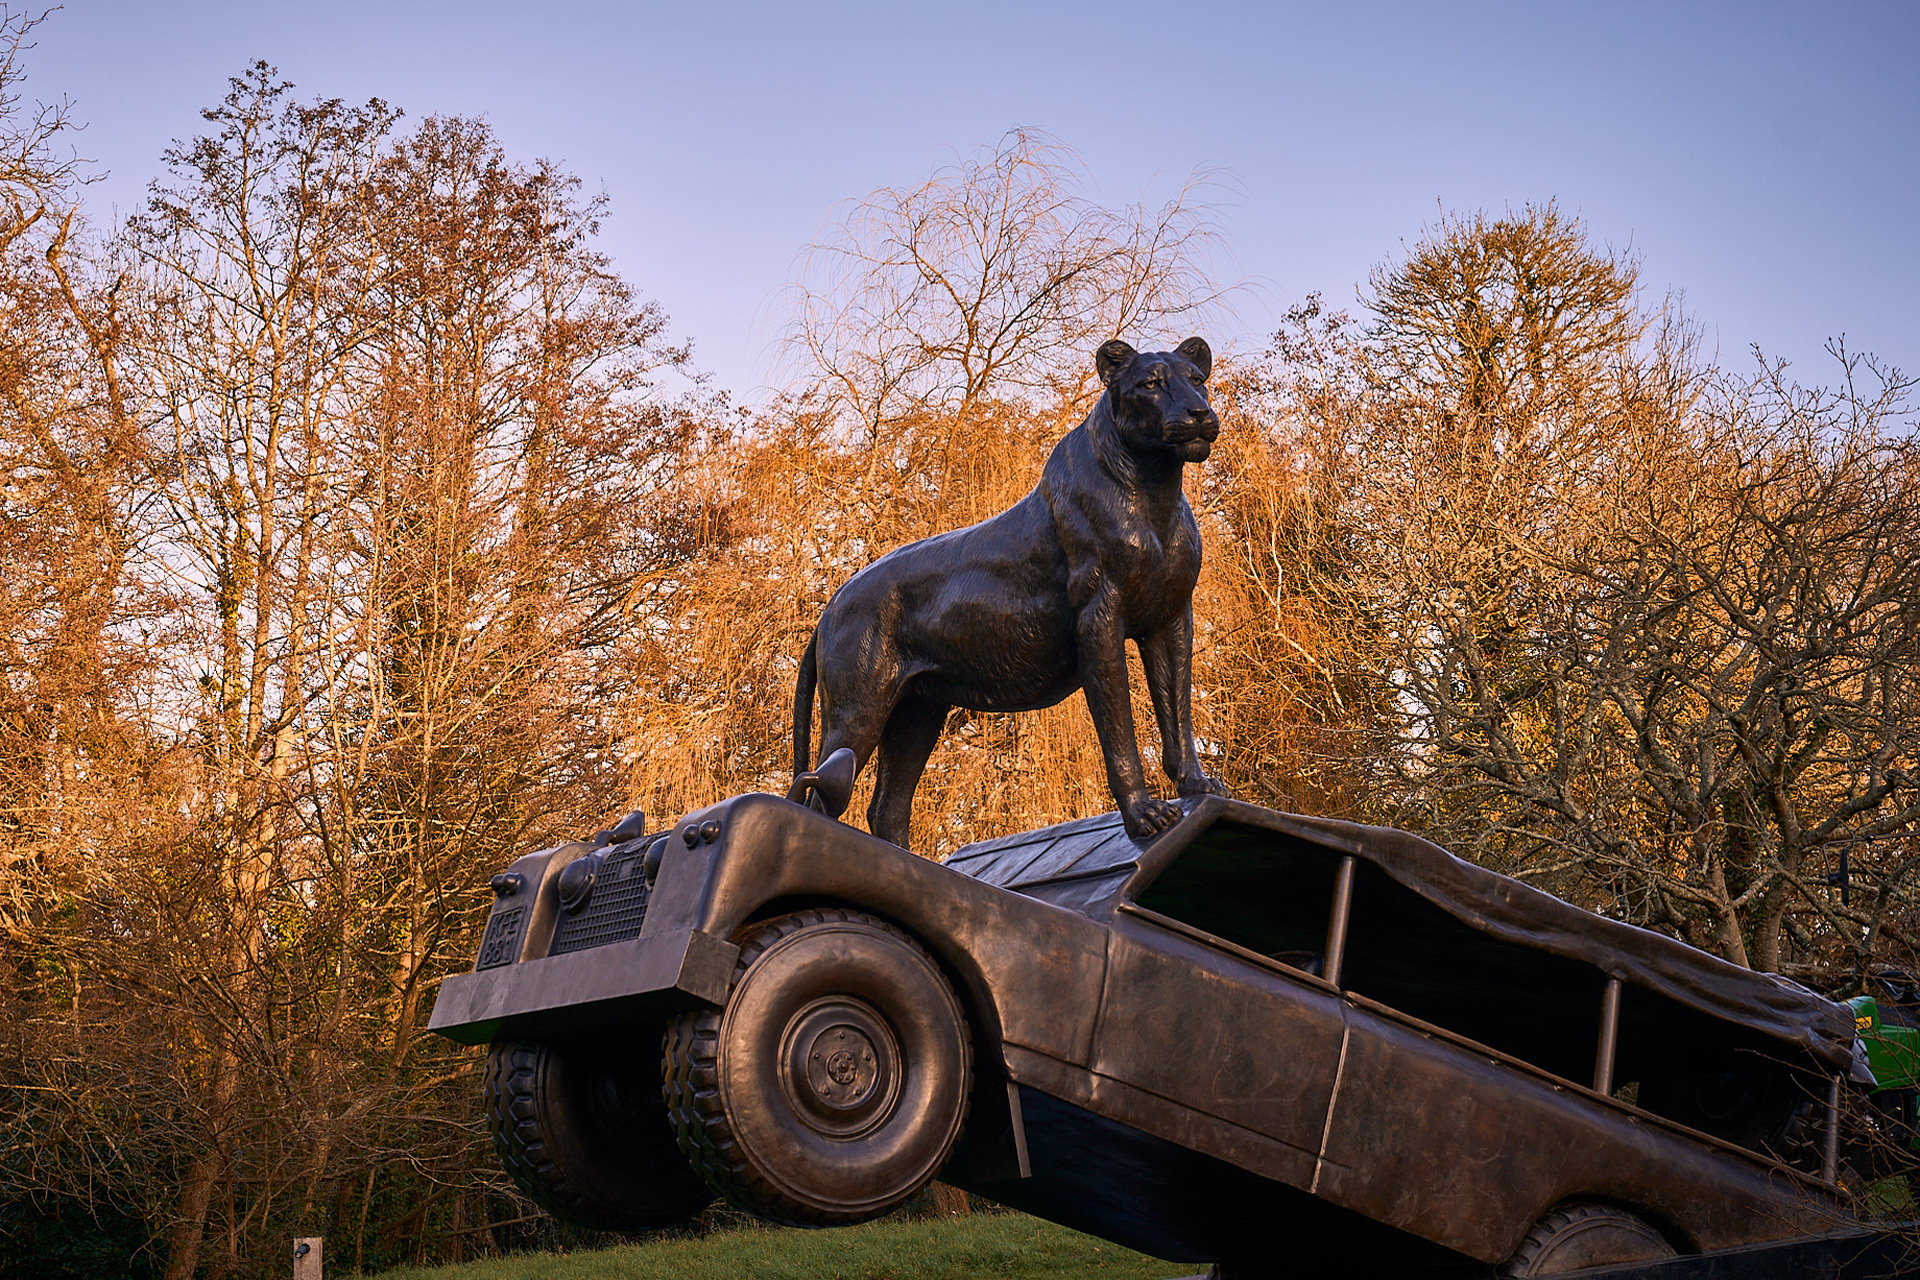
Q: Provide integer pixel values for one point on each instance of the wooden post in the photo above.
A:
(950, 1202)
(306, 1258)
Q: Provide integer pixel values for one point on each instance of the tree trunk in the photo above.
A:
(203, 1175)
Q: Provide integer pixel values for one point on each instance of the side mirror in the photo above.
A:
(831, 780)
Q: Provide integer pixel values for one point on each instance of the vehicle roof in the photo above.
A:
(1101, 860)
(1086, 847)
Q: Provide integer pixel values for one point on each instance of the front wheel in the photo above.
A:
(835, 1082)
(584, 1132)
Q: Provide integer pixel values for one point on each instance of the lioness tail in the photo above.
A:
(803, 707)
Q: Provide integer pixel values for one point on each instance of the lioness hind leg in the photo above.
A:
(856, 722)
(906, 742)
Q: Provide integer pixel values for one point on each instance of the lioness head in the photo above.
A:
(1159, 398)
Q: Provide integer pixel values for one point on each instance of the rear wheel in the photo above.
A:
(834, 1084)
(1577, 1236)
(583, 1131)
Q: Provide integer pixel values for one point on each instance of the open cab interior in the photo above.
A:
(1603, 1006)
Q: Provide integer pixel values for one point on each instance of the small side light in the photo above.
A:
(508, 883)
(710, 830)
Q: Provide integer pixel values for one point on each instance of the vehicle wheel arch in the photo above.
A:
(1677, 1235)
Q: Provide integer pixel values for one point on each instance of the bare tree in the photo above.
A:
(256, 250)
(78, 768)
(1753, 642)
(69, 448)
(1633, 626)
(508, 453)
(995, 277)
(343, 463)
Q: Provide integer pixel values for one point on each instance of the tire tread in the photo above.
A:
(1545, 1232)
(513, 1116)
(516, 1120)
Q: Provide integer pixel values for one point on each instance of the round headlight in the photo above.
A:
(576, 880)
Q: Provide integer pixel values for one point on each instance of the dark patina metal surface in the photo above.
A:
(1019, 611)
(1157, 1059)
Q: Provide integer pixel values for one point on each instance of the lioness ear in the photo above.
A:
(1197, 350)
(1111, 358)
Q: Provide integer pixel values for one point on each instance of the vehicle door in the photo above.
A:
(1214, 1028)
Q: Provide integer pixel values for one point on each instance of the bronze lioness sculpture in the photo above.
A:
(1016, 612)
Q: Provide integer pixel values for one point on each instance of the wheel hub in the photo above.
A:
(840, 1066)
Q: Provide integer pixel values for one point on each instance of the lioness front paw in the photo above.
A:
(1148, 816)
(1203, 784)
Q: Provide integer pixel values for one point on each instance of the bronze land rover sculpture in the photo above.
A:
(1285, 1045)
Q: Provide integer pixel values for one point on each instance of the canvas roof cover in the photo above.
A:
(1098, 850)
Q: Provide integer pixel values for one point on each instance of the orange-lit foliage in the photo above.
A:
(358, 536)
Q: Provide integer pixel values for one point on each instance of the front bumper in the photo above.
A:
(584, 990)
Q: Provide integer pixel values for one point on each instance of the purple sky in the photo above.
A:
(1760, 157)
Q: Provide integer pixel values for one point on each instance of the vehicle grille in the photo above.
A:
(616, 908)
(501, 945)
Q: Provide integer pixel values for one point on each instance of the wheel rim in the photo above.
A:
(840, 1067)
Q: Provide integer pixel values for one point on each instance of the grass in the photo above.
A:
(1003, 1246)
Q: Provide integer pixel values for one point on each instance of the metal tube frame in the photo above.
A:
(1609, 1037)
(1830, 1157)
(1337, 922)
